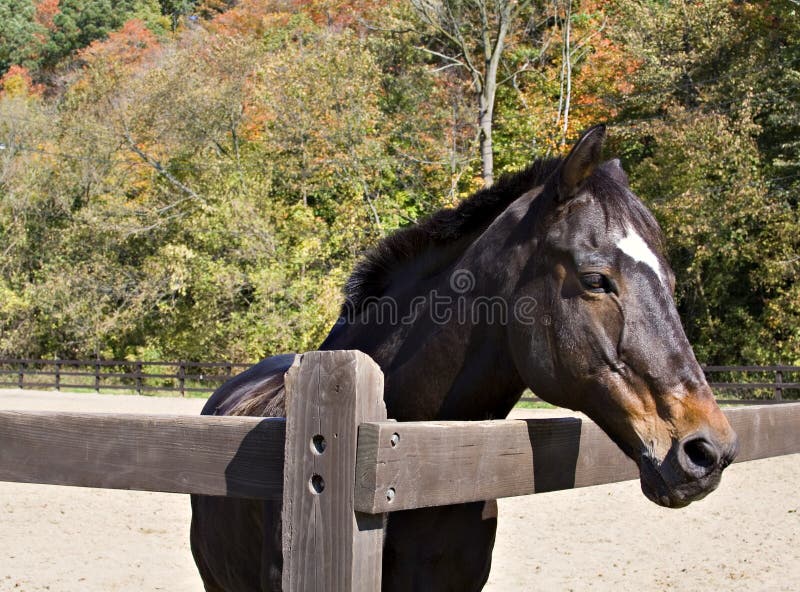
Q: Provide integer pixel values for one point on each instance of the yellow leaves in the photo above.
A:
(11, 304)
(17, 83)
(175, 261)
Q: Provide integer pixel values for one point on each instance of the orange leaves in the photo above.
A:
(606, 75)
(257, 17)
(250, 18)
(337, 14)
(17, 82)
(46, 10)
(128, 46)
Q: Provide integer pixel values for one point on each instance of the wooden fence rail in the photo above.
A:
(752, 385)
(243, 456)
(106, 375)
(337, 463)
(741, 384)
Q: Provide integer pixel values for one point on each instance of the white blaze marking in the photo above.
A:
(634, 247)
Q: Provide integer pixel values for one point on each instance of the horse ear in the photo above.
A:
(613, 168)
(581, 162)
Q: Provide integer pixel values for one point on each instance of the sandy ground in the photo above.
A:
(745, 536)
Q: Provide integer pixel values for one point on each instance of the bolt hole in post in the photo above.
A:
(395, 440)
(390, 493)
(316, 484)
(318, 444)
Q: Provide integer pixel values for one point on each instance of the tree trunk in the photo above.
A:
(485, 110)
(448, 24)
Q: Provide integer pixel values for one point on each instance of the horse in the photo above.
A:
(554, 279)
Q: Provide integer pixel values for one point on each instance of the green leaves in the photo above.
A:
(709, 140)
(203, 194)
(20, 34)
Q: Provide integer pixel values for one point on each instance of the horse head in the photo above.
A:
(607, 339)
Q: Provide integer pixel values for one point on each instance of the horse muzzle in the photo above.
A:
(690, 471)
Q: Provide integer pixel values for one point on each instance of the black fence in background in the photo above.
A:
(108, 375)
(743, 385)
(757, 384)
(735, 384)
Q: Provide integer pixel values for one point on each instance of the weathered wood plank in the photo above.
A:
(428, 463)
(413, 464)
(771, 430)
(326, 544)
(571, 452)
(232, 456)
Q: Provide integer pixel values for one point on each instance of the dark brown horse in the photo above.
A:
(552, 279)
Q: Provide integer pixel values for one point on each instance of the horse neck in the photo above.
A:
(442, 370)
(437, 371)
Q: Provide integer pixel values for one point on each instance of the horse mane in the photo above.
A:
(449, 226)
(370, 277)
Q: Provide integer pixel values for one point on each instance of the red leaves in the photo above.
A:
(128, 46)
(46, 10)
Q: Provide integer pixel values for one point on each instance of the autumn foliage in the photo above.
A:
(17, 81)
(195, 180)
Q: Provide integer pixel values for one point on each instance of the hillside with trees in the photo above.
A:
(195, 179)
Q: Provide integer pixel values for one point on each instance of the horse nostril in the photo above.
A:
(701, 454)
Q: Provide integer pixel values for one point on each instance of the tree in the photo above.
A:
(177, 9)
(17, 82)
(79, 22)
(472, 35)
(21, 36)
(204, 194)
(709, 134)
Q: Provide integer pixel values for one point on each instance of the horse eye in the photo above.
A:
(595, 282)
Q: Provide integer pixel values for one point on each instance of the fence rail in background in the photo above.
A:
(739, 384)
(723, 379)
(751, 385)
(108, 375)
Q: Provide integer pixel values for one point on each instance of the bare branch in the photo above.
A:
(154, 225)
(590, 36)
(371, 27)
(437, 22)
(160, 169)
(513, 76)
(445, 67)
(487, 42)
(462, 44)
(454, 61)
(417, 160)
(377, 218)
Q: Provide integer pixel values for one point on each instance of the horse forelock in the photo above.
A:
(621, 206)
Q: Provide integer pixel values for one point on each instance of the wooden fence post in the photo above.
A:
(327, 546)
(778, 387)
(181, 379)
(97, 376)
(58, 375)
(138, 378)
(21, 375)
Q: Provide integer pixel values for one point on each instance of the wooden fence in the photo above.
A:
(739, 384)
(337, 463)
(769, 383)
(106, 375)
